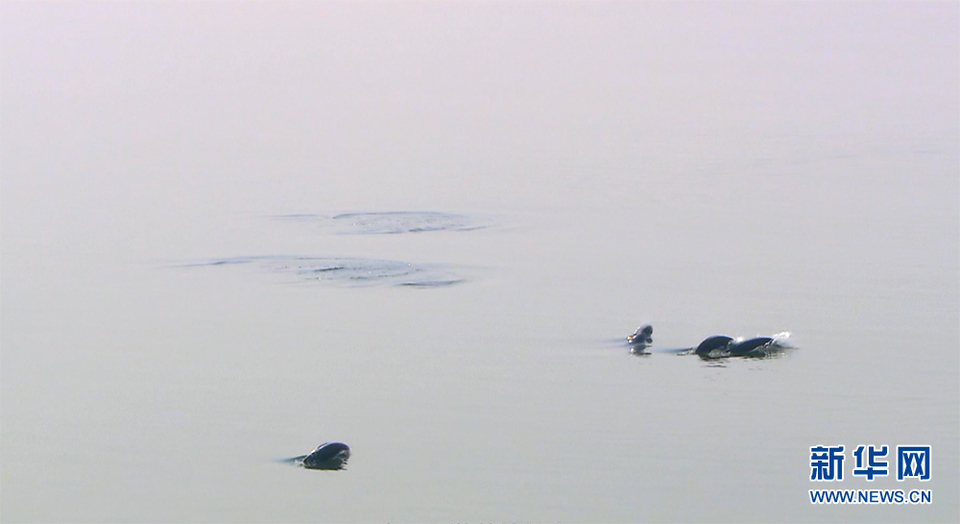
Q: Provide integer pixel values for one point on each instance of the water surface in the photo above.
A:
(574, 168)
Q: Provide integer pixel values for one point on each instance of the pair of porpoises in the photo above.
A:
(717, 346)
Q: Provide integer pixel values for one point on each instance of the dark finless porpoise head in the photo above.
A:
(329, 455)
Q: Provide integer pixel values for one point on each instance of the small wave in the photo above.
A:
(351, 272)
(391, 222)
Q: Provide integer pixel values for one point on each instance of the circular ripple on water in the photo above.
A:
(350, 271)
(393, 222)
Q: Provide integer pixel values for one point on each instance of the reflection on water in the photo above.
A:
(391, 222)
(351, 272)
(769, 352)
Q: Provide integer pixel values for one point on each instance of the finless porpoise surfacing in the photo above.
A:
(329, 455)
(720, 346)
(717, 346)
(641, 338)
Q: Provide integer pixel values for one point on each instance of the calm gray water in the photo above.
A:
(181, 306)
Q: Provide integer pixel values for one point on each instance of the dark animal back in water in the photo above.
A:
(712, 344)
(331, 455)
